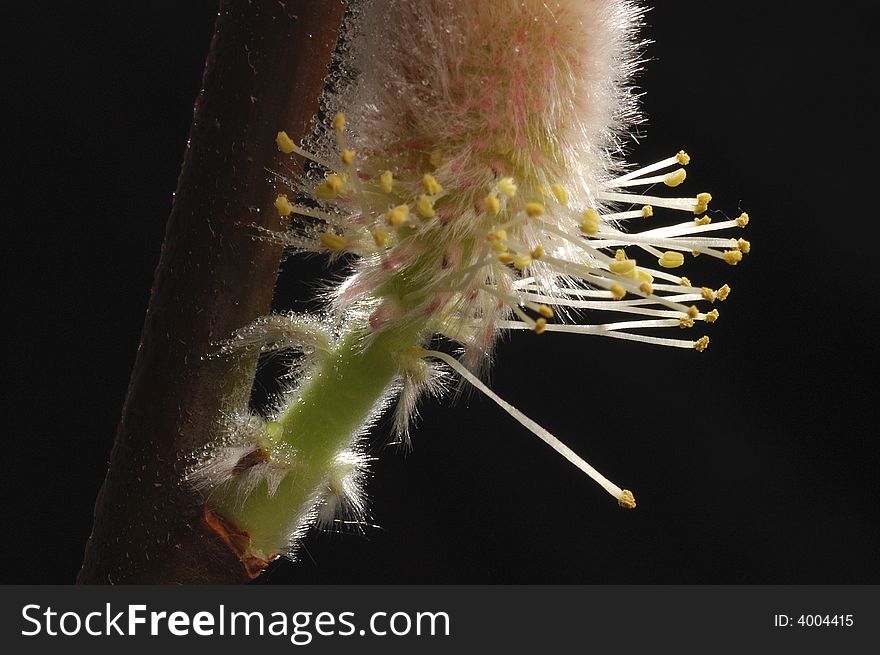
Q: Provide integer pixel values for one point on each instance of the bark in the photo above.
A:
(264, 73)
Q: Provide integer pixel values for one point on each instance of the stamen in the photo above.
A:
(624, 497)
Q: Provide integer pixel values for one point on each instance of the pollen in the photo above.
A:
(646, 288)
(686, 322)
(560, 193)
(545, 311)
(590, 222)
(522, 261)
(703, 220)
(647, 211)
(742, 220)
(744, 246)
(339, 123)
(431, 185)
(380, 238)
(627, 500)
(675, 178)
(712, 316)
(617, 291)
(285, 143)
(425, 207)
(540, 325)
(671, 259)
(334, 241)
(693, 312)
(625, 267)
(282, 204)
(398, 215)
(497, 235)
(707, 294)
(683, 158)
(347, 156)
(507, 186)
(493, 204)
(723, 292)
(386, 181)
(685, 282)
(535, 209)
(505, 258)
(331, 187)
(701, 344)
(436, 157)
(733, 257)
(703, 200)
(538, 252)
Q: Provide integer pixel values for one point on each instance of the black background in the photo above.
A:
(755, 462)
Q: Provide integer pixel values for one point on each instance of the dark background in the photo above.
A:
(755, 462)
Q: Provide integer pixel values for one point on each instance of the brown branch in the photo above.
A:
(264, 72)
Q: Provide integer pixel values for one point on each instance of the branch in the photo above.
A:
(264, 72)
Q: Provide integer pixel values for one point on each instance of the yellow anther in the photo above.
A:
(627, 500)
(545, 311)
(386, 181)
(742, 220)
(380, 238)
(675, 178)
(425, 207)
(743, 245)
(398, 215)
(497, 235)
(436, 157)
(540, 325)
(686, 322)
(693, 312)
(712, 316)
(646, 288)
(703, 200)
(695, 253)
(285, 143)
(538, 252)
(500, 246)
(431, 185)
(493, 204)
(544, 191)
(707, 294)
(683, 158)
(685, 282)
(331, 187)
(617, 291)
(620, 254)
(282, 204)
(534, 209)
(647, 211)
(701, 344)
(522, 261)
(671, 259)
(339, 123)
(703, 220)
(333, 241)
(505, 258)
(590, 224)
(723, 292)
(733, 257)
(560, 193)
(626, 267)
(347, 157)
(644, 276)
(507, 186)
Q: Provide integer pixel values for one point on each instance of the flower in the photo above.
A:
(471, 172)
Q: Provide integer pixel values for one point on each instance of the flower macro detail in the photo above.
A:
(470, 173)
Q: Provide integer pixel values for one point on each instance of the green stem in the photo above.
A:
(336, 398)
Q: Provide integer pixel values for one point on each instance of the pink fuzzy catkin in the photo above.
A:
(470, 170)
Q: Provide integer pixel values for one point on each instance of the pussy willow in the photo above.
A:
(470, 174)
